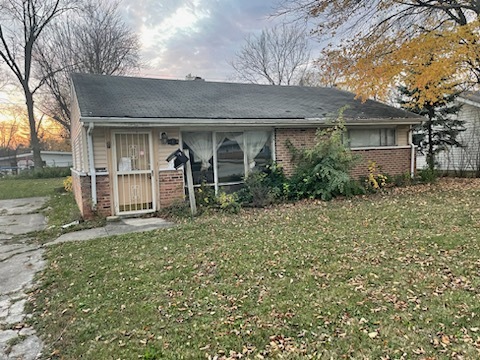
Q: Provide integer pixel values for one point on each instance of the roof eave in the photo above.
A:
(467, 101)
(295, 122)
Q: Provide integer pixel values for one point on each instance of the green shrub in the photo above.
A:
(402, 180)
(206, 199)
(44, 173)
(228, 202)
(205, 195)
(428, 175)
(375, 180)
(180, 209)
(322, 172)
(263, 188)
(256, 191)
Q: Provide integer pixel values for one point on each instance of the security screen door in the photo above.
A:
(134, 173)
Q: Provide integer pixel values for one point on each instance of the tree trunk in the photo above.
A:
(34, 142)
(430, 153)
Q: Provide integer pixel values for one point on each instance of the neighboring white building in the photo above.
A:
(25, 161)
(467, 158)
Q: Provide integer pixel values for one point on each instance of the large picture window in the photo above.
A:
(230, 157)
(224, 158)
(371, 137)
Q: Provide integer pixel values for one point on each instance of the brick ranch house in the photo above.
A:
(124, 128)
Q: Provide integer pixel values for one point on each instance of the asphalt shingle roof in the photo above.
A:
(131, 97)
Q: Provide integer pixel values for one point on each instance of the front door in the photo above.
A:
(133, 179)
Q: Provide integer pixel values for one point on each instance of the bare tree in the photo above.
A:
(14, 131)
(8, 133)
(278, 56)
(96, 40)
(22, 23)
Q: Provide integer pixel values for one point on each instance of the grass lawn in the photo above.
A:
(23, 188)
(381, 277)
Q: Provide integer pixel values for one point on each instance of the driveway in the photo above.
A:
(19, 261)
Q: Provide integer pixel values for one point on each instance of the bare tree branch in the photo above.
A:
(95, 40)
(278, 56)
(22, 24)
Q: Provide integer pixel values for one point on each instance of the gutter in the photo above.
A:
(254, 122)
(412, 153)
(93, 174)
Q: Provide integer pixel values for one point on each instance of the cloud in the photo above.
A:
(195, 36)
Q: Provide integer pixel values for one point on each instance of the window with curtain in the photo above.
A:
(230, 158)
(200, 146)
(371, 137)
(237, 153)
(265, 155)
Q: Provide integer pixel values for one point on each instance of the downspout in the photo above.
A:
(412, 153)
(91, 160)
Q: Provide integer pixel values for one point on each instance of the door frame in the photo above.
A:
(115, 172)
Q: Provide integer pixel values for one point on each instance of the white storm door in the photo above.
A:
(133, 180)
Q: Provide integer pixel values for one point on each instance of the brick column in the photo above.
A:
(104, 196)
(171, 187)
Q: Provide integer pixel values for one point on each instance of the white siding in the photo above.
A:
(468, 157)
(78, 137)
(402, 135)
(100, 148)
(164, 150)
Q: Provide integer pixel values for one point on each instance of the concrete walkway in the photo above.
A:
(122, 226)
(20, 261)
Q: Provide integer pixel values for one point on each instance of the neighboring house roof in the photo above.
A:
(470, 97)
(30, 154)
(118, 97)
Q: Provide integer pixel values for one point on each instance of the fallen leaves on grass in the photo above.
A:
(388, 276)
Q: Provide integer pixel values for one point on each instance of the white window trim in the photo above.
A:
(216, 183)
(389, 147)
(373, 128)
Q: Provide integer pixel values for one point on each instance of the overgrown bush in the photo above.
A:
(206, 199)
(322, 172)
(205, 195)
(265, 187)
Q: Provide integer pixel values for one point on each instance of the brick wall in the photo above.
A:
(82, 192)
(171, 187)
(83, 195)
(392, 161)
(300, 139)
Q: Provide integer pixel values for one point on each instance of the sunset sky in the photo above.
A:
(179, 37)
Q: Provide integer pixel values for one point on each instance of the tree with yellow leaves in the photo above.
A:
(378, 44)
